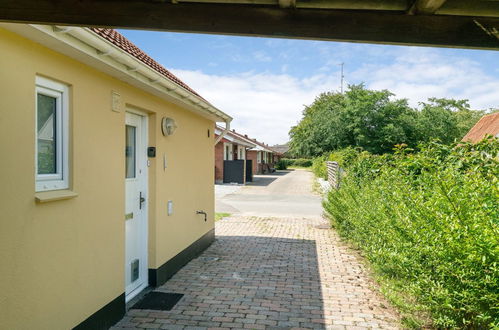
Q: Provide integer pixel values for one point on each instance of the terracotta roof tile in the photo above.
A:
(488, 124)
(126, 45)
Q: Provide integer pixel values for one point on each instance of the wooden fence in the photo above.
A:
(333, 174)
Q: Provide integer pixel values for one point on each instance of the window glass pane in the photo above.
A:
(46, 134)
(130, 152)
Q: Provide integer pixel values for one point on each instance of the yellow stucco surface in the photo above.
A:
(64, 260)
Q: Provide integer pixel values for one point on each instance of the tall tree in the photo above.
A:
(376, 121)
(360, 117)
(445, 119)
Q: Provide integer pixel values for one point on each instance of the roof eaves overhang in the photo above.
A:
(261, 148)
(89, 48)
(254, 143)
(235, 138)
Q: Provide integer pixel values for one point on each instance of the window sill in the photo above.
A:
(54, 195)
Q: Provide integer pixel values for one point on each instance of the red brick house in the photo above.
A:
(263, 157)
(231, 151)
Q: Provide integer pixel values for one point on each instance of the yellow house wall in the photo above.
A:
(64, 260)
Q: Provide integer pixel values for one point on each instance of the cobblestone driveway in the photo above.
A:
(271, 273)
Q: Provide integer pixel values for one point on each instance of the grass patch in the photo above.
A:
(220, 216)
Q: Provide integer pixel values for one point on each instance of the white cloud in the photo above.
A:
(266, 105)
(263, 105)
(419, 73)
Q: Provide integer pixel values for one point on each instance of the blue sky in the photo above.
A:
(264, 83)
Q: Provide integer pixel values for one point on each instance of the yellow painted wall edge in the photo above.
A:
(64, 260)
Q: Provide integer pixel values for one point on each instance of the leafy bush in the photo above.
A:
(319, 167)
(281, 164)
(429, 222)
(300, 162)
(344, 157)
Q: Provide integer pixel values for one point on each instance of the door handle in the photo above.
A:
(141, 200)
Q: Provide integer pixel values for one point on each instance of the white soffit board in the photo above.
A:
(78, 50)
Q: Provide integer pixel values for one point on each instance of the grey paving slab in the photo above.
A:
(284, 193)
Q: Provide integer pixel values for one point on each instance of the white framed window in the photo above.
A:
(52, 137)
(259, 157)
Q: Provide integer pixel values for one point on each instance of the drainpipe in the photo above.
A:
(227, 128)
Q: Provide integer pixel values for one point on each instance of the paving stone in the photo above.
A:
(254, 326)
(149, 325)
(142, 319)
(271, 273)
(172, 326)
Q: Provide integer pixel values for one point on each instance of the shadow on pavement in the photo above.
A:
(262, 180)
(262, 281)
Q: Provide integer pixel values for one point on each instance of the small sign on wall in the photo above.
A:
(115, 101)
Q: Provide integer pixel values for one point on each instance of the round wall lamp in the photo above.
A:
(168, 126)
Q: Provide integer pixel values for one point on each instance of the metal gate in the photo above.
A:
(234, 171)
(249, 170)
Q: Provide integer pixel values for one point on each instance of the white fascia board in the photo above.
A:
(248, 141)
(235, 139)
(245, 144)
(241, 141)
(89, 48)
(218, 131)
(260, 148)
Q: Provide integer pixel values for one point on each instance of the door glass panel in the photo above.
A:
(130, 151)
(46, 137)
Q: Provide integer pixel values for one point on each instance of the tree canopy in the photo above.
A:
(376, 121)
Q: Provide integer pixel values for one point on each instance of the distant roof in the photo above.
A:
(232, 136)
(487, 125)
(260, 146)
(281, 148)
(123, 43)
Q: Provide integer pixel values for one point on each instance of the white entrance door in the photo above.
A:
(136, 277)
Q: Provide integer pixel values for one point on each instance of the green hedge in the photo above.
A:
(428, 222)
(319, 167)
(281, 164)
(345, 157)
(300, 162)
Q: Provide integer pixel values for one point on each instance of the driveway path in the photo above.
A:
(284, 193)
(265, 272)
